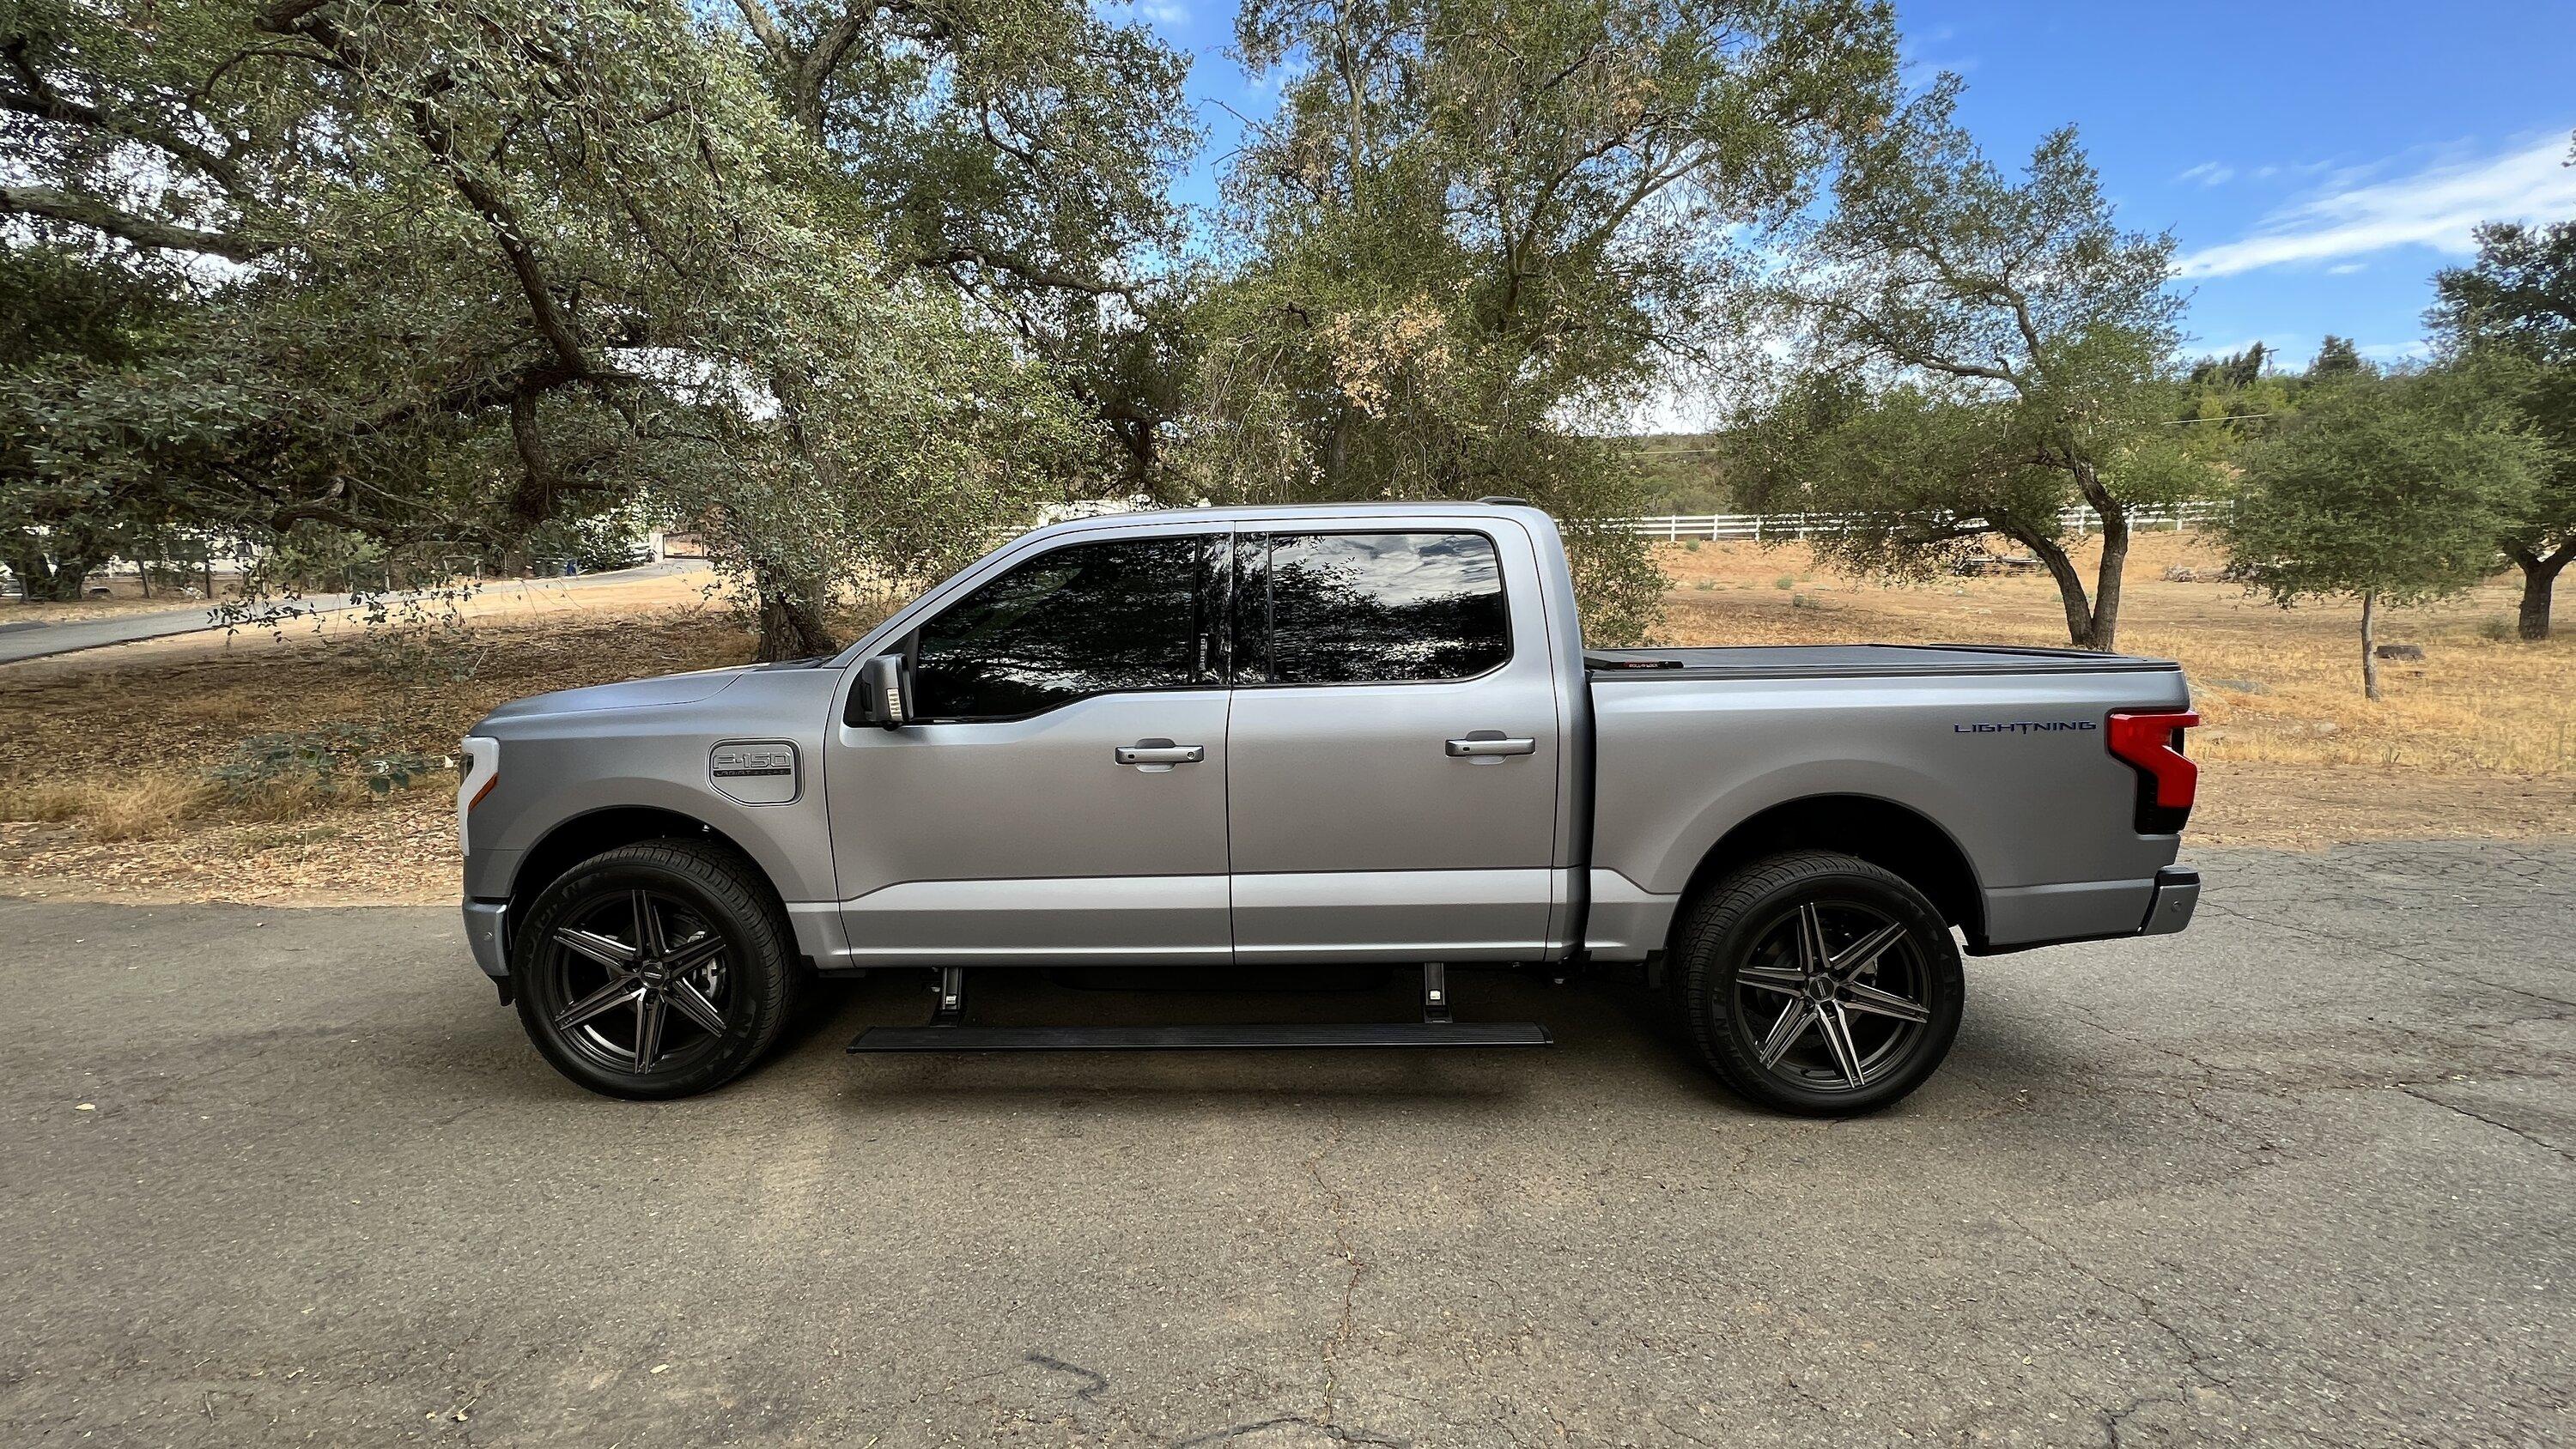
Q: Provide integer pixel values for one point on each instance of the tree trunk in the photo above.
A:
(2105, 633)
(2539, 577)
(2101, 629)
(791, 618)
(2370, 643)
(2070, 584)
(42, 578)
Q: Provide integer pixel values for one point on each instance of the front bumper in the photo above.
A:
(2177, 896)
(487, 934)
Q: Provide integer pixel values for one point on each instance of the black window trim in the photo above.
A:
(1511, 636)
(1217, 541)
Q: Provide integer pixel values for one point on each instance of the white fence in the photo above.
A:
(1766, 526)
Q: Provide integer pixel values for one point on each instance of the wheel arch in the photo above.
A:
(577, 838)
(1894, 837)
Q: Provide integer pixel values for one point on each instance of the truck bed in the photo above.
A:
(1856, 661)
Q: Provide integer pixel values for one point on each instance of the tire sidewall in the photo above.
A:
(1745, 908)
(753, 951)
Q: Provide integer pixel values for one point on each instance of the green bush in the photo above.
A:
(299, 766)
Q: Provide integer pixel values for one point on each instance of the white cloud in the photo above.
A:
(2209, 173)
(1168, 13)
(2276, 344)
(2435, 206)
(2346, 269)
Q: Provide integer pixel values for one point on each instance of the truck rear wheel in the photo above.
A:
(1817, 983)
(654, 970)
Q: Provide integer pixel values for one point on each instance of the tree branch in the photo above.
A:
(60, 205)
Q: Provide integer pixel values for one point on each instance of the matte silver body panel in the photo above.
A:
(619, 746)
(1330, 822)
(1684, 760)
(960, 843)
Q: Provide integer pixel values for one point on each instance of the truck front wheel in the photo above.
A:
(1817, 983)
(654, 970)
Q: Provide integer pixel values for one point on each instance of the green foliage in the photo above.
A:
(2336, 358)
(2386, 489)
(1472, 230)
(1685, 473)
(305, 763)
(1979, 353)
(1019, 153)
(2512, 315)
(482, 269)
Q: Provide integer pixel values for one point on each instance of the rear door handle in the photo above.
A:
(1159, 754)
(1493, 742)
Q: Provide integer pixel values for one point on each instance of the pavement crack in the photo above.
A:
(1337, 1212)
(2319, 933)
(2410, 1089)
(1328, 1429)
(2148, 1309)
(2114, 1419)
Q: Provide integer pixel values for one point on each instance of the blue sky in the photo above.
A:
(2316, 162)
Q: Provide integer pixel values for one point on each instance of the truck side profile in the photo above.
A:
(1292, 736)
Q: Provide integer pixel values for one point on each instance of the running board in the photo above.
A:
(1200, 1038)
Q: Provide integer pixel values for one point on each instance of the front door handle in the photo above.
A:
(1493, 742)
(1158, 755)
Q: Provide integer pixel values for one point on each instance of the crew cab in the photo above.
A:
(1224, 739)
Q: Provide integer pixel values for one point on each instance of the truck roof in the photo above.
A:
(1247, 511)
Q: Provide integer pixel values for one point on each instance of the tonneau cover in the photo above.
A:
(1848, 661)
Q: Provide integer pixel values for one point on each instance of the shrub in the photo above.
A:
(284, 774)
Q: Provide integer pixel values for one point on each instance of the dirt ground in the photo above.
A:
(108, 761)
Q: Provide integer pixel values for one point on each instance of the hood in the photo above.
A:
(631, 694)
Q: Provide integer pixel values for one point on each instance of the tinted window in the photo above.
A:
(1087, 619)
(1355, 607)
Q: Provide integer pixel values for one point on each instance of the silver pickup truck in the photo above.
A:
(1253, 740)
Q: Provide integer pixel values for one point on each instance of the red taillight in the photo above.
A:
(2151, 744)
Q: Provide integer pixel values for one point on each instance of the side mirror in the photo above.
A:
(884, 694)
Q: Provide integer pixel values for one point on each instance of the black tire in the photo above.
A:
(705, 906)
(1730, 961)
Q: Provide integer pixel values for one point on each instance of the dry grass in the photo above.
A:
(107, 773)
(141, 808)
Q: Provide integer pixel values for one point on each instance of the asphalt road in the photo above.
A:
(31, 639)
(2302, 1175)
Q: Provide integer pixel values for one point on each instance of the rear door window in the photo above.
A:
(1370, 608)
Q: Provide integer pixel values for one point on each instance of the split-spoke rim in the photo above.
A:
(642, 979)
(1833, 996)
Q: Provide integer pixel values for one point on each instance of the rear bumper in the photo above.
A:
(2022, 918)
(2177, 896)
(487, 935)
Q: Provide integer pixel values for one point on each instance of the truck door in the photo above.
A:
(1392, 758)
(1063, 798)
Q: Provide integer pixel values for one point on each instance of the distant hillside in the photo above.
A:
(1684, 473)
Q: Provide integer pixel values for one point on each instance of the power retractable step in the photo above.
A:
(948, 1033)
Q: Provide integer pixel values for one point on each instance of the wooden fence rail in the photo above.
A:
(1765, 526)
